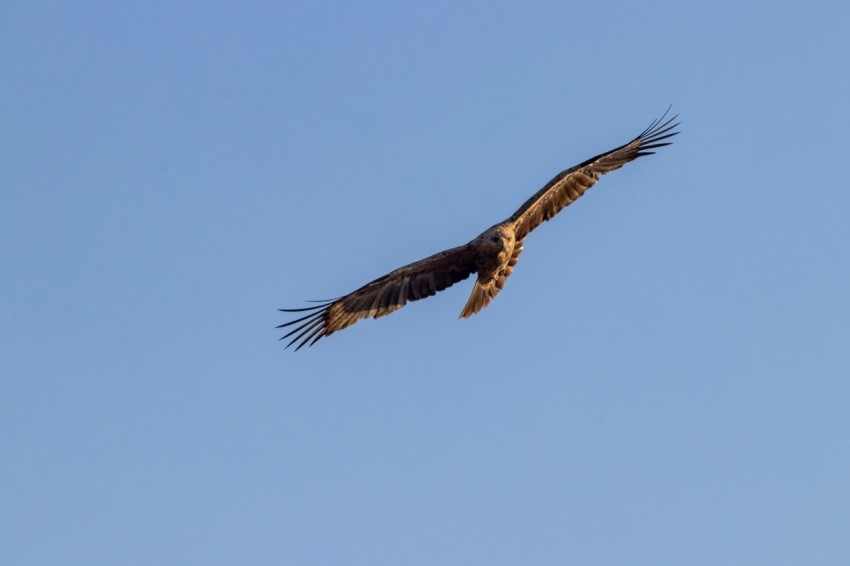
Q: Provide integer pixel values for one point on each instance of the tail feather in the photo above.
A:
(479, 298)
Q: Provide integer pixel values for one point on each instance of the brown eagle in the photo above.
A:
(492, 255)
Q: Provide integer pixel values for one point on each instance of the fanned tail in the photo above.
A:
(479, 298)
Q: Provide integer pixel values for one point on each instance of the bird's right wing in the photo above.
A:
(383, 296)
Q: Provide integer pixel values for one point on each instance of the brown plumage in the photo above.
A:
(492, 255)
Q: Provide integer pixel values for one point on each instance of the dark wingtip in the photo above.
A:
(660, 129)
(310, 326)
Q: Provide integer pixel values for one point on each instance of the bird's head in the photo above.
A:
(499, 239)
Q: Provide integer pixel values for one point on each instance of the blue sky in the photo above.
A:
(664, 379)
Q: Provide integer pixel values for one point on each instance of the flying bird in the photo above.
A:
(491, 256)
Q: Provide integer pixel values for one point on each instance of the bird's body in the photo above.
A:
(492, 255)
(496, 253)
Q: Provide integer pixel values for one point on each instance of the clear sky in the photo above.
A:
(665, 379)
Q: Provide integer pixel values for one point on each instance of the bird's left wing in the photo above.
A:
(383, 295)
(569, 185)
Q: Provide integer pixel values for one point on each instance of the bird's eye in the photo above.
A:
(494, 238)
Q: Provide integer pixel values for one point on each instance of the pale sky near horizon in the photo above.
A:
(663, 380)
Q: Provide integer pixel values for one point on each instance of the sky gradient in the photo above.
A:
(663, 380)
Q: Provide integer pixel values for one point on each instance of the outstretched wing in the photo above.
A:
(569, 185)
(382, 296)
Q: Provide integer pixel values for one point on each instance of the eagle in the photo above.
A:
(492, 255)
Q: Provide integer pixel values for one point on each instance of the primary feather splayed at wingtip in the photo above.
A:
(315, 321)
(657, 131)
